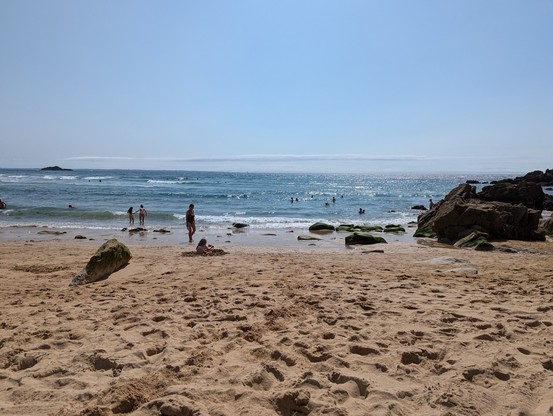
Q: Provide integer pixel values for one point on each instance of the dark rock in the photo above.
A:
(363, 238)
(547, 226)
(239, 225)
(3, 205)
(363, 228)
(321, 226)
(345, 227)
(162, 231)
(369, 228)
(392, 228)
(419, 207)
(477, 240)
(537, 176)
(425, 233)
(526, 193)
(461, 212)
(109, 258)
(80, 237)
(54, 168)
(472, 182)
(136, 230)
(548, 202)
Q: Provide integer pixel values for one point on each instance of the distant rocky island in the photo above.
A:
(54, 168)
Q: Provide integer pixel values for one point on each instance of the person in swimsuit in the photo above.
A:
(190, 222)
(131, 216)
(141, 215)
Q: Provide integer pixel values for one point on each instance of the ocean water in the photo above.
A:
(100, 198)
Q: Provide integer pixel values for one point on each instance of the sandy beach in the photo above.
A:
(275, 329)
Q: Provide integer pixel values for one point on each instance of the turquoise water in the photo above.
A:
(100, 198)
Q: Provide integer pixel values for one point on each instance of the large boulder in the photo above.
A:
(529, 194)
(109, 258)
(2, 204)
(364, 238)
(392, 228)
(461, 212)
(321, 226)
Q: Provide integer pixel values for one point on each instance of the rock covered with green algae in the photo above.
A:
(364, 238)
(109, 258)
(478, 241)
(424, 232)
(392, 228)
(321, 226)
(307, 238)
(350, 228)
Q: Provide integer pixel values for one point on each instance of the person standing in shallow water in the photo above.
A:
(141, 215)
(190, 222)
(131, 216)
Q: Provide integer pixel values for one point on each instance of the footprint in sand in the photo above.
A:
(363, 350)
(362, 384)
(292, 402)
(277, 355)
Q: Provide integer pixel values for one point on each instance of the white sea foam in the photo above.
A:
(62, 178)
(164, 182)
(12, 179)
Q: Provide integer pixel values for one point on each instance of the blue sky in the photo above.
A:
(449, 85)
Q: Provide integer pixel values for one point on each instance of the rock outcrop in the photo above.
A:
(3, 205)
(109, 258)
(529, 194)
(537, 176)
(462, 212)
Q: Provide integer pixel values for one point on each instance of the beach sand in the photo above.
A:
(408, 329)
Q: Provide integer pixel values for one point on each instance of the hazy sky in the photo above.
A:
(463, 85)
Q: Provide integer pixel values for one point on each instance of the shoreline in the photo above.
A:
(230, 238)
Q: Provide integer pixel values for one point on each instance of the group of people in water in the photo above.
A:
(327, 204)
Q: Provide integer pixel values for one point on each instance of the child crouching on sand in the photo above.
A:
(207, 249)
